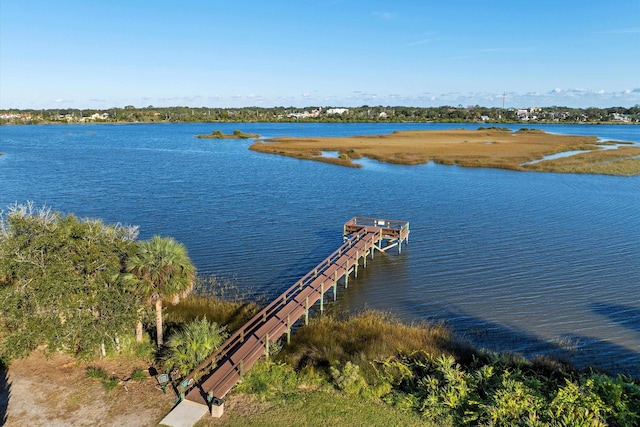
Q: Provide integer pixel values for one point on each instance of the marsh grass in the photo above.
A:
(237, 134)
(370, 335)
(228, 313)
(621, 161)
(372, 369)
(469, 148)
(220, 301)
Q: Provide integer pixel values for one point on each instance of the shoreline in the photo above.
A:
(484, 148)
(479, 123)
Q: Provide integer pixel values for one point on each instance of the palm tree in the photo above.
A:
(163, 270)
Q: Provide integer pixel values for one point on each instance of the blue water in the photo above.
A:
(537, 263)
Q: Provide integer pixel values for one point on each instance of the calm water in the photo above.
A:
(526, 262)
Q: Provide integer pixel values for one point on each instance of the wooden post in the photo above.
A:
(346, 276)
(241, 368)
(306, 311)
(322, 297)
(288, 329)
(266, 346)
(335, 290)
(357, 263)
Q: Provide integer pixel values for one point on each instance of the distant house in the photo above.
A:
(332, 111)
(99, 116)
(383, 115)
(306, 114)
(620, 117)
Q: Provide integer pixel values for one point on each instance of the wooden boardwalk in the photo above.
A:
(214, 377)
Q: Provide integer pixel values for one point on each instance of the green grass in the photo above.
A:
(109, 383)
(319, 408)
(139, 375)
(96, 373)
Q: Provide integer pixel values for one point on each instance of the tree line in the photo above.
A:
(364, 113)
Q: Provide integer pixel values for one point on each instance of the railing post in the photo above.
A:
(335, 285)
(346, 276)
(322, 297)
(357, 263)
(306, 311)
(288, 329)
(266, 346)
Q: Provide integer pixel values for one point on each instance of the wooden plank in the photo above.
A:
(247, 345)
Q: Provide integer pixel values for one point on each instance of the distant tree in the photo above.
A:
(163, 271)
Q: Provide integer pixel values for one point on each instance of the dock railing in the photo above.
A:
(239, 337)
(357, 229)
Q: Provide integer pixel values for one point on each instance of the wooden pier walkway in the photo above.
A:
(215, 376)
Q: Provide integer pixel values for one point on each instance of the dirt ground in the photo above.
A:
(56, 392)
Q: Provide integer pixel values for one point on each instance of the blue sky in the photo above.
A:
(233, 53)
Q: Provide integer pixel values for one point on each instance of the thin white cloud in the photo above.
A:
(419, 42)
(387, 16)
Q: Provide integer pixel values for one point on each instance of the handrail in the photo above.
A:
(378, 222)
(250, 327)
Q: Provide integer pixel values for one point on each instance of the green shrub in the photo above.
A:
(138, 375)
(110, 383)
(96, 373)
(266, 378)
(186, 348)
(347, 378)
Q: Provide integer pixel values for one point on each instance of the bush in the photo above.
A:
(192, 344)
(110, 383)
(266, 378)
(348, 379)
(96, 373)
(138, 375)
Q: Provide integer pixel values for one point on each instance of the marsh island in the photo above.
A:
(523, 150)
(237, 134)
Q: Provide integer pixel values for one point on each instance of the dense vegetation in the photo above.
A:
(81, 287)
(365, 113)
(374, 360)
(62, 283)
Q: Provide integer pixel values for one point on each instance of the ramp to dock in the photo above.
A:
(215, 376)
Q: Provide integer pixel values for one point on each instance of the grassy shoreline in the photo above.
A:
(352, 370)
(485, 148)
(371, 369)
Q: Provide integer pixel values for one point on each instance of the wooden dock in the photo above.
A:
(215, 376)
